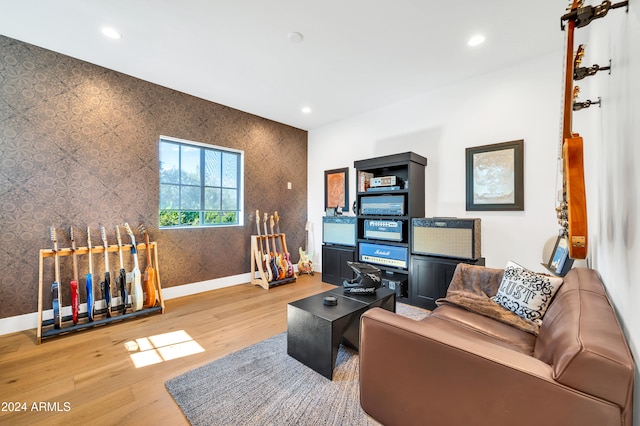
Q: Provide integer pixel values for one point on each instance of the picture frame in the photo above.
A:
(336, 189)
(495, 176)
(559, 261)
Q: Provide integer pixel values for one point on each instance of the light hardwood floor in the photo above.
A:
(91, 378)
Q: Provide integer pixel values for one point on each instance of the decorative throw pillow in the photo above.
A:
(526, 293)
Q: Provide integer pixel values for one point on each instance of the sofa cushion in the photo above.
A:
(472, 287)
(582, 339)
(496, 331)
(526, 293)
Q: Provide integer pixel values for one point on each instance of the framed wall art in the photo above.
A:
(559, 262)
(336, 189)
(495, 176)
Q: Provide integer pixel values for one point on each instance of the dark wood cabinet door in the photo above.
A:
(334, 263)
(430, 278)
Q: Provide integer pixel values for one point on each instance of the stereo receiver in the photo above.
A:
(382, 205)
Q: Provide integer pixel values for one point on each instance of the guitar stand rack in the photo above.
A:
(48, 325)
(256, 262)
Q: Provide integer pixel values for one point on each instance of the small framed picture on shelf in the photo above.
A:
(336, 189)
(559, 262)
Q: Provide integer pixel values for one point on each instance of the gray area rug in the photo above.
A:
(262, 385)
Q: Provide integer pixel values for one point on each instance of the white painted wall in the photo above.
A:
(522, 102)
(612, 147)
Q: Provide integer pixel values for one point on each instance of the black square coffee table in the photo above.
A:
(315, 330)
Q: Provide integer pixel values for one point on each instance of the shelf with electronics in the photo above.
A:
(65, 321)
(390, 192)
(413, 252)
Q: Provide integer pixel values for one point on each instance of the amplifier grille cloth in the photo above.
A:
(455, 242)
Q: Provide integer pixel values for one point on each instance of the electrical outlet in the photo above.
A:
(288, 185)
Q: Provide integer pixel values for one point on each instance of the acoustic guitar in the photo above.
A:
(572, 211)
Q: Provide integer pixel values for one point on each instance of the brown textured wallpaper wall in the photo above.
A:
(79, 146)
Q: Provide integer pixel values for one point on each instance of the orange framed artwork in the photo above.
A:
(336, 189)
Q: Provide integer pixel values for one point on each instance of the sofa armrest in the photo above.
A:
(437, 372)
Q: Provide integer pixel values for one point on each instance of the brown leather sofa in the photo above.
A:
(457, 367)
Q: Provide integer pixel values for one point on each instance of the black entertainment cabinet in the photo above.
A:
(392, 202)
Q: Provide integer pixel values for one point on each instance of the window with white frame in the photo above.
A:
(200, 185)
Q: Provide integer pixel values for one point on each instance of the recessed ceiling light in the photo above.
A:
(295, 37)
(476, 40)
(111, 33)
(306, 110)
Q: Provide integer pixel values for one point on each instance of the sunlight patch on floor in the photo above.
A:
(162, 347)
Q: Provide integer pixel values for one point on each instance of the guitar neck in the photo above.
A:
(55, 253)
(103, 233)
(567, 107)
(90, 251)
(74, 256)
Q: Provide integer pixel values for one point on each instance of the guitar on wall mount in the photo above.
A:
(89, 279)
(73, 285)
(55, 287)
(105, 285)
(121, 281)
(137, 296)
(286, 258)
(149, 274)
(572, 211)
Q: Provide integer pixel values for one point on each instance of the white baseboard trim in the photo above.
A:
(30, 321)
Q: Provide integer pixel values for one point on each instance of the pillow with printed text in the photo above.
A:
(526, 293)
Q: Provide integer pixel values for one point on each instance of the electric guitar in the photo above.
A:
(105, 285)
(286, 258)
(572, 211)
(149, 274)
(122, 275)
(75, 296)
(89, 279)
(282, 269)
(137, 296)
(266, 260)
(56, 292)
(305, 264)
(272, 257)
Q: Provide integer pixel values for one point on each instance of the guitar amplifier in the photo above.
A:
(383, 254)
(340, 230)
(383, 229)
(447, 237)
(382, 205)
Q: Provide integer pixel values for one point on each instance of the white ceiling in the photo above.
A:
(356, 56)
